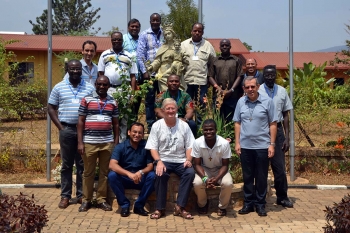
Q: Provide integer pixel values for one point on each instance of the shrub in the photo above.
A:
(339, 214)
(6, 160)
(21, 214)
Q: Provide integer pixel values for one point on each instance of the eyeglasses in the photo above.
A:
(102, 84)
(250, 87)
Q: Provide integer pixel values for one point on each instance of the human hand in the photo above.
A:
(211, 183)
(187, 163)
(238, 148)
(160, 168)
(146, 76)
(136, 177)
(81, 148)
(285, 146)
(271, 151)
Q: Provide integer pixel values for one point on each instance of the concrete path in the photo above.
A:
(307, 216)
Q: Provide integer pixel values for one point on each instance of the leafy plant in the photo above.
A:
(339, 214)
(6, 160)
(21, 214)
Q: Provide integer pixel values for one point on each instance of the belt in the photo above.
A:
(69, 125)
(279, 124)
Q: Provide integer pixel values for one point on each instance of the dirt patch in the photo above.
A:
(327, 178)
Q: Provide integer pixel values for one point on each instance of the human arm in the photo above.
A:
(160, 167)
(80, 129)
(159, 113)
(141, 54)
(188, 162)
(285, 146)
(115, 125)
(273, 133)
(52, 111)
(133, 82)
(213, 182)
(237, 138)
(114, 166)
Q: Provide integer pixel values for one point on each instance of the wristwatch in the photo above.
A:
(273, 144)
(232, 90)
(142, 173)
(155, 161)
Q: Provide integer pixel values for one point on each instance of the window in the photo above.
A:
(22, 72)
(338, 82)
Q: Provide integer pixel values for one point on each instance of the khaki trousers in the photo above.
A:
(102, 152)
(226, 184)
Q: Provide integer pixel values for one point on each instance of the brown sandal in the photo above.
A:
(157, 214)
(222, 212)
(179, 211)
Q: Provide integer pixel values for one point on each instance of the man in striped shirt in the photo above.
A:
(63, 108)
(97, 113)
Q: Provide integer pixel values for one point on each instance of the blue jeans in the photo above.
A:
(69, 155)
(119, 183)
(149, 105)
(192, 90)
(161, 184)
(255, 164)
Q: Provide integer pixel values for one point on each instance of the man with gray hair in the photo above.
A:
(255, 140)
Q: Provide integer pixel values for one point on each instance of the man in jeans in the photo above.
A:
(63, 108)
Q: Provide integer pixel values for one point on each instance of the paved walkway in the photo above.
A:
(307, 216)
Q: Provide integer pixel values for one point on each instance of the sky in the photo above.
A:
(318, 24)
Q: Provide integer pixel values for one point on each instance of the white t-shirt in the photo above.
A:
(171, 143)
(211, 158)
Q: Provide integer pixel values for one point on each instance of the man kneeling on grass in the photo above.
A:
(211, 154)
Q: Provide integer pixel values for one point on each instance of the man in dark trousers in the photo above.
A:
(283, 105)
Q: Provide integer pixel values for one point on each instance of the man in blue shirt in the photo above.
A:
(255, 134)
(132, 168)
(63, 108)
(149, 42)
(89, 71)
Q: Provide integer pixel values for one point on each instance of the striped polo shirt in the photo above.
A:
(68, 98)
(98, 120)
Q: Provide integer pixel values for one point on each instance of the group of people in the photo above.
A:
(83, 109)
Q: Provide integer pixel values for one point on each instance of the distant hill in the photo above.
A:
(333, 49)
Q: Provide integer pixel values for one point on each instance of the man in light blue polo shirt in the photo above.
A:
(89, 69)
(255, 133)
(63, 108)
(283, 105)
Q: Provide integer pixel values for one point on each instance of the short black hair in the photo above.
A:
(134, 21)
(208, 122)
(160, 17)
(199, 24)
(270, 67)
(116, 32)
(74, 60)
(90, 42)
(103, 76)
(137, 124)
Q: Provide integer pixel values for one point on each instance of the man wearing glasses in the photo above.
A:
(97, 113)
(63, 108)
(255, 134)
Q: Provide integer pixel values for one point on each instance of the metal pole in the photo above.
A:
(128, 14)
(49, 84)
(291, 84)
(200, 11)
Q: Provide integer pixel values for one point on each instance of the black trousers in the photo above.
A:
(278, 165)
(255, 165)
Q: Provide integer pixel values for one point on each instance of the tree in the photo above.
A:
(182, 14)
(344, 56)
(68, 16)
(109, 33)
(249, 47)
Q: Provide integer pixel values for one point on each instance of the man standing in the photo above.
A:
(283, 105)
(149, 42)
(200, 52)
(63, 108)
(255, 133)
(130, 41)
(211, 154)
(118, 65)
(183, 100)
(251, 70)
(89, 68)
(224, 75)
(97, 112)
(132, 168)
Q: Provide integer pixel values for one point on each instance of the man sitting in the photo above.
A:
(132, 168)
(211, 154)
(183, 101)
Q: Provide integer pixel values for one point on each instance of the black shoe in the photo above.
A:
(85, 206)
(105, 206)
(140, 211)
(246, 210)
(125, 212)
(261, 211)
(285, 203)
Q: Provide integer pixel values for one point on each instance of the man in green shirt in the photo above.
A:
(184, 102)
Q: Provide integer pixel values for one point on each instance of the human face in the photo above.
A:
(270, 77)
(173, 83)
(117, 41)
(197, 33)
(134, 29)
(225, 47)
(155, 22)
(74, 70)
(251, 89)
(250, 66)
(168, 35)
(177, 46)
(209, 131)
(170, 111)
(102, 85)
(88, 52)
(136, 133)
